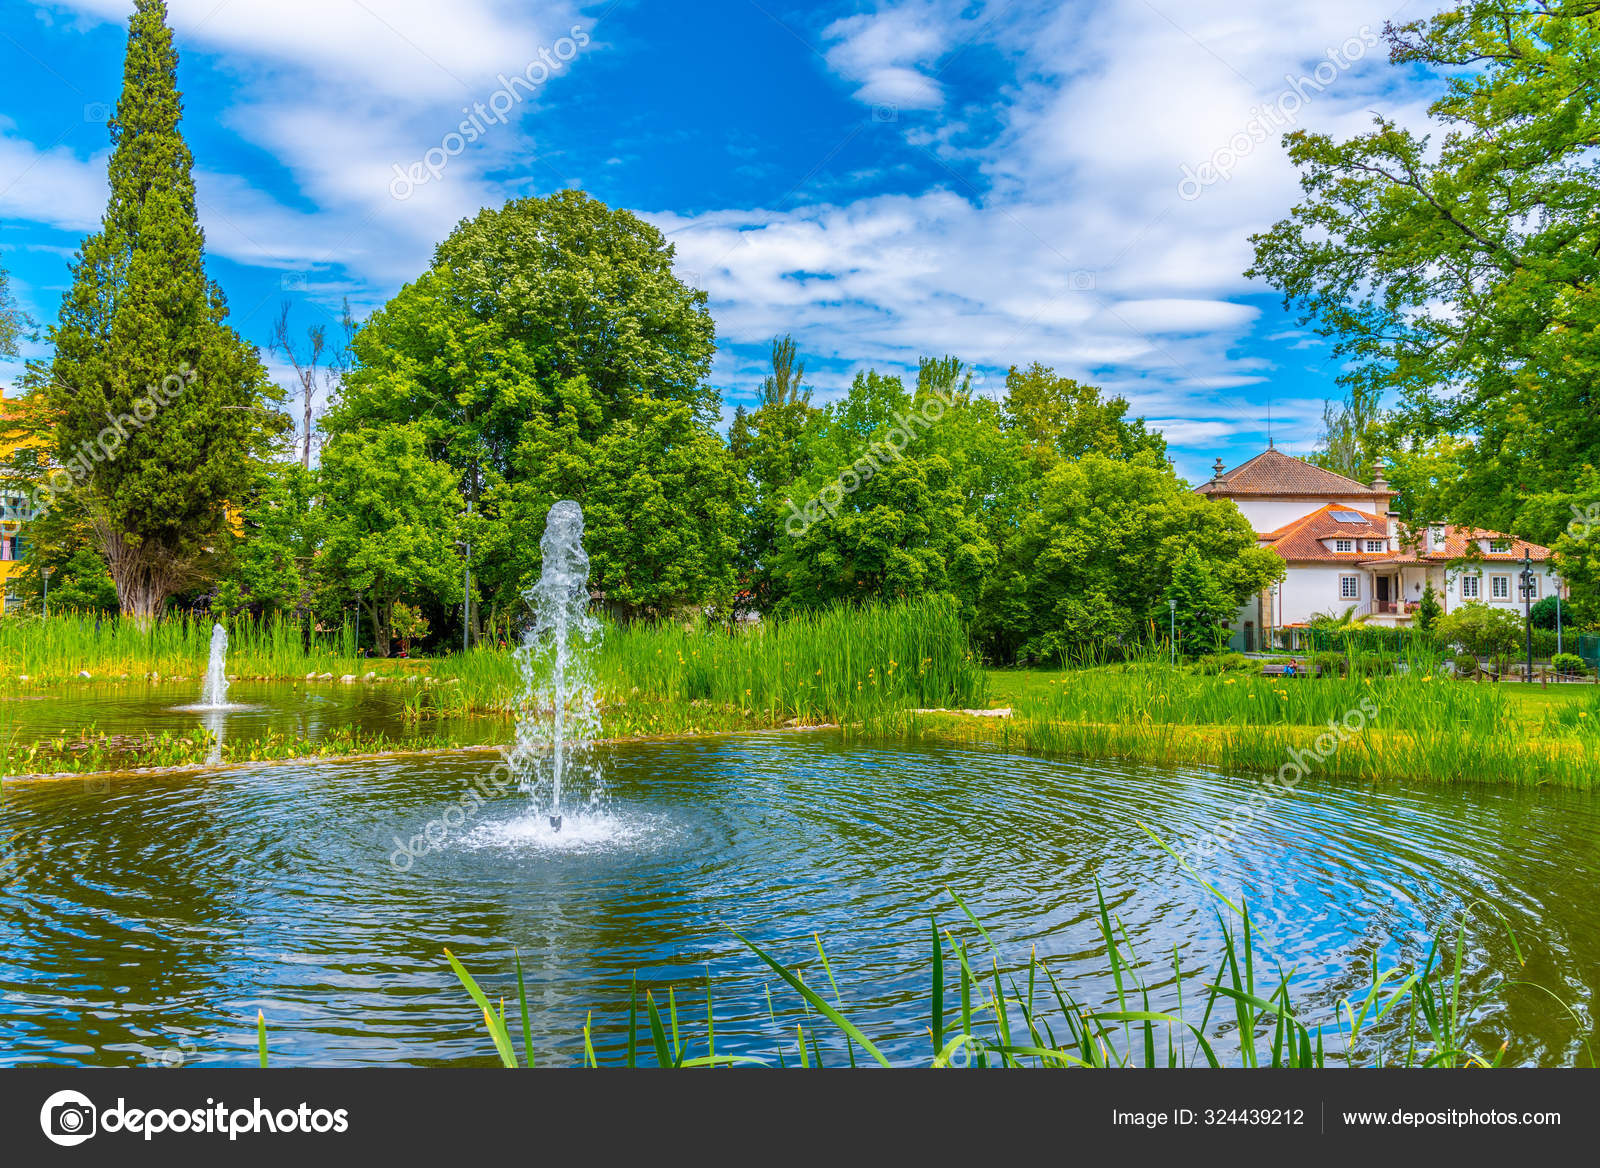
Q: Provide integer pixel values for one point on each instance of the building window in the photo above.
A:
(1533, 586)
(1500, 587)
(1344, 545)
(1374, 545)
(1499, 545)
(1350, 587)
(1471, 587)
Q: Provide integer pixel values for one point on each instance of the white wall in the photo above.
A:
(1549, 581)
(1314, 589)
(1267, 514)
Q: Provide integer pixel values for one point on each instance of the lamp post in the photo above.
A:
(1172, 631)
(45, 573)
(1559, 586)
(1527, 606)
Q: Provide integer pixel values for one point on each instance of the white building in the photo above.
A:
(1344, 548)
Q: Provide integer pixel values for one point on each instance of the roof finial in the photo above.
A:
(1216, 471)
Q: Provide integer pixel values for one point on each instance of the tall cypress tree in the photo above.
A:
(161, 409)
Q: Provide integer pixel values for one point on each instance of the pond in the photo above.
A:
(309, 710)
(146, 919)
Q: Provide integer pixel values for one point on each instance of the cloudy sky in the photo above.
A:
(1007, 182)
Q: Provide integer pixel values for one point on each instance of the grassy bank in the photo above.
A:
(1421, 725)
(46, 652)
(843, 665)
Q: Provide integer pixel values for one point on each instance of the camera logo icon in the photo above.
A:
(68, 1118)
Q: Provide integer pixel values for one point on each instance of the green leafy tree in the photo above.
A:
(409, 624)
(771, 449)
(1429, 610)
(1494, 633)
(1196, 605)
(271, 565)
(13, 321)
(662, 534)
(540, 327)
(1059, 417)
(1095, 556)
(880, 511)
(160, 410)
(1456, 272)
(1350, 435)
(391, 524)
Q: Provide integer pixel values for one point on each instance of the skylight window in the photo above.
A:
(1348, 517)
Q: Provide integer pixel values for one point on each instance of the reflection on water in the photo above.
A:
(254, 710)
(166, 910)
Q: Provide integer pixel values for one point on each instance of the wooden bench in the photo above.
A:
(1283, 671)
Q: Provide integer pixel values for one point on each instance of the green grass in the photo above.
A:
(985, 1012)
(842, 665)
(58, 649)
(1424, 725)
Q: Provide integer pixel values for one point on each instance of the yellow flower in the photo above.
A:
(1581, 714)
(819, 672)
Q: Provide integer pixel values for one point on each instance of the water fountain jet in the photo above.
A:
(214, 692)
(558, 716)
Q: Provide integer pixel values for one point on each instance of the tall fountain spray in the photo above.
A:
(214, 693)
(558, 717)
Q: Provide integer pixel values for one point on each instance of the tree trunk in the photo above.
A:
(146, 576)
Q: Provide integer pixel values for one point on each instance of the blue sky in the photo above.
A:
(996, 180)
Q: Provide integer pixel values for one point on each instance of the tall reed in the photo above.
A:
(985, 1012)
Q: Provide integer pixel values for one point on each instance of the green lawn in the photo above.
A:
(1013, 687)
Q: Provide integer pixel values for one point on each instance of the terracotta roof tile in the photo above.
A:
(1273, 472)
(1302, 539)
(1461, 543)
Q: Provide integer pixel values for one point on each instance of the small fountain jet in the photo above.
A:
(558, 716)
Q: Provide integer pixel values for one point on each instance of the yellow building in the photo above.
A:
(15, 510)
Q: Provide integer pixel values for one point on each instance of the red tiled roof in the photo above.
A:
(1302, 539)
(1273, 472)
(1461, 543)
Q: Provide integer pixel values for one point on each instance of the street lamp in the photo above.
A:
(1527, 606)
(1172, 631)
(45, 572)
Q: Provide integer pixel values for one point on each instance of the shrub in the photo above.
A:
(1543, 614)
(1483, 631)
(1216, 663)
(1373, 664)
(1569, 665)
(1329, 664)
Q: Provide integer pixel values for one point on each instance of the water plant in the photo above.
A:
(983, 1012)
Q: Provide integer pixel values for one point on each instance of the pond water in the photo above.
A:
(256, 709)
(146, 919)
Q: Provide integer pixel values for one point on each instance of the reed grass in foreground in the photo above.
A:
(983, 1015)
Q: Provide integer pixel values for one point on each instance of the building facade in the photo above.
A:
(15, 511)
(1344, 548)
